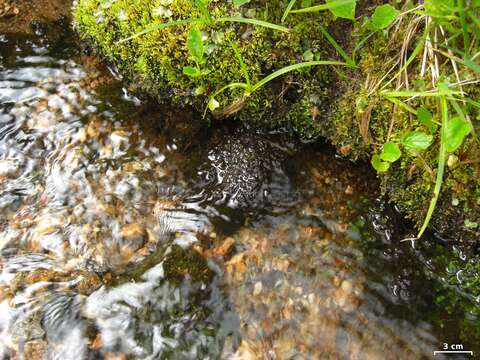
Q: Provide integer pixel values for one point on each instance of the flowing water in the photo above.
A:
(127, 230)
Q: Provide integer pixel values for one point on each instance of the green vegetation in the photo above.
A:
(404, 95)
(182, 51)
(444, 22)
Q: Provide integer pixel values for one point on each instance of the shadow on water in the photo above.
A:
(129, 230)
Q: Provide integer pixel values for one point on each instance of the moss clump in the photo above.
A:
(154, 62)
(365, 120)
(180, 263)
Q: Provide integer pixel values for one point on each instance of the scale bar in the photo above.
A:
(452, 352)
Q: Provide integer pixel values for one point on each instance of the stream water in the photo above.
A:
(127, 230)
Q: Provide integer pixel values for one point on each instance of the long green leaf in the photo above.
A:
(468, 63)
(294, 67)
(195, 45)
(398, 94)
(230, 86)
(287, 10)
(255, 22)
(442, 157)
(403, 105)
(203, 8)
(476, 29)
(472, 102)
(161, 27)
(327, 6)
(360, 44)
(337, 46)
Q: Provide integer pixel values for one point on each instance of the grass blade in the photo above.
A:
(221, 90)
(442, 157)
(468, 63)
(160, 27)
(293, 67)
(287, 10)
(439, 93)
(360, 44)
(255, 22)
(337, 46)
(472, 102)
(327, 6)
(403, 105)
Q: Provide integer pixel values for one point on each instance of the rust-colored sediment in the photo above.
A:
(16, 16)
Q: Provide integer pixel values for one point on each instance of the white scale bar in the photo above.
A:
(452, 352)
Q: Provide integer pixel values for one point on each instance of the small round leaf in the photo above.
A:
(391, 152)
(455, 132)
(383, 16)
(379, 165)
(416, 141)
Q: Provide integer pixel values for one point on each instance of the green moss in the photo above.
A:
(154, 61)
(180, 263)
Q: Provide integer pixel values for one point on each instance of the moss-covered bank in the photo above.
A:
(155, 61)
(338, 103)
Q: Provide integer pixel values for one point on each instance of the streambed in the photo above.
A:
(128, 230)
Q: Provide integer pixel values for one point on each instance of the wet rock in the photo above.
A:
(97, 343)
(17, 16)
(257, 288)
(237, 266)
(223, 250)
(8, 8)
(119, 138)
(9, 168)
(5, 293)
(133, 236)
(87, 283)
(36, 350)
(128, 247)
(94, 127)
(84, 282)
(24, 279)
(245, 351)
(346, 296)
(27, 328)
(114, 356)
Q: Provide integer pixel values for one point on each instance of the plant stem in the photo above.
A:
(442, 157)
(337, 46)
